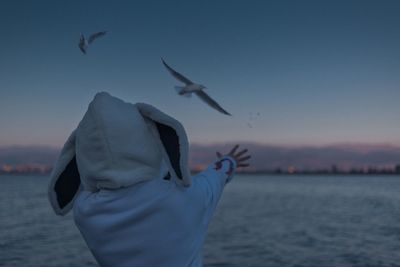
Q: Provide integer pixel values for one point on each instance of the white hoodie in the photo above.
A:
(124, 172)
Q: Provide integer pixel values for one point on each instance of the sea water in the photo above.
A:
(260, 221)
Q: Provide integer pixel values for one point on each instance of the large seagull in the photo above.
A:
(84, 44)
(191, 87)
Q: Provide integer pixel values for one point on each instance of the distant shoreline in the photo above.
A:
(357, 172)
(319, 174)
(251, 174)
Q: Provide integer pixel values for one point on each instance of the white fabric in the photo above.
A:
(111, 171)
(114, 145)
(154, 223)
(117, 144)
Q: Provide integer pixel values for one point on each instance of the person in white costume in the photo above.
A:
(124, 173)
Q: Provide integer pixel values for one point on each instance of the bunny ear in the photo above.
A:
(65, 179)
(172, 140)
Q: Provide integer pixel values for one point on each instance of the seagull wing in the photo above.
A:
(176, 74)
(82, 45)
(211, 102)
(82, 49)
(95, 36)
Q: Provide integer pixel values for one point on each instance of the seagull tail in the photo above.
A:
(181, 91)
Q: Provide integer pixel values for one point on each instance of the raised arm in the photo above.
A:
(213, 179)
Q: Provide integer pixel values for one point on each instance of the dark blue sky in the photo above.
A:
(319, 72)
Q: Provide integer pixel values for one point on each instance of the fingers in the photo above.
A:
(241, 153)
(241, 161)
(232, 152)
(243, 165)
(244, 158)
(240, 157)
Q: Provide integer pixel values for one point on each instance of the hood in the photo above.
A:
(118, 144)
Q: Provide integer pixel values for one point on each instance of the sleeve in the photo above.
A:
(212, 180)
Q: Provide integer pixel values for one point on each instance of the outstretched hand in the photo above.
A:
(240, 157)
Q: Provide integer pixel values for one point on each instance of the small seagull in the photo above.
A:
(252, 118)
(84, 44)
(191, 87)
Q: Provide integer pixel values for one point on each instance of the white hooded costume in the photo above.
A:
(124, 172)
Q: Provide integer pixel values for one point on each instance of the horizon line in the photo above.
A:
(256, 143)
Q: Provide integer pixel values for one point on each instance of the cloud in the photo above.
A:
(344, 156)
(264, 157)
(16, 155)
